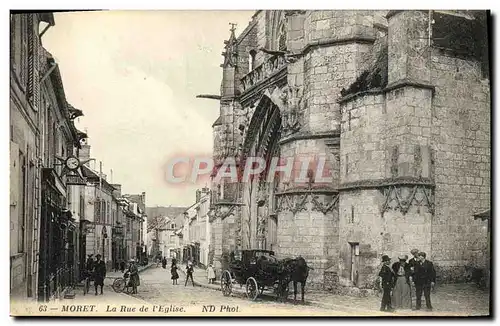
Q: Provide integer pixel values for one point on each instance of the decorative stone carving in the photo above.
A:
(298, 202)
(402, 197)
(293, 203)
(265, 70)
(221, 211)
(292, 117)
(323, 205)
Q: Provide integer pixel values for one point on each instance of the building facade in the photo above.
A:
(45, 171)
(399, 116)
(139, 227)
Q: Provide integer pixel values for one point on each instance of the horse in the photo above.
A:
(296, 271)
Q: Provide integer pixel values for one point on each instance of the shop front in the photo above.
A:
(57, 239)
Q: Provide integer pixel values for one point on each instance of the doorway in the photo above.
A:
(354, 263)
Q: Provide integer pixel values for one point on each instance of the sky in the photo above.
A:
(135, 75)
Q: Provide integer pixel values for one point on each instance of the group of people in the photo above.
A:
(189, 271)
(404, 278)
(96, 270)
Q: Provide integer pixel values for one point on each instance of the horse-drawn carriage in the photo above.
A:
(258, 270)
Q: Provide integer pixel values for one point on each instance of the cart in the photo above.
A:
(258, 270)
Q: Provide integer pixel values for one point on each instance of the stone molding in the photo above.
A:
(310, 135)
(333, 41)
(393, 86)
(374, 184)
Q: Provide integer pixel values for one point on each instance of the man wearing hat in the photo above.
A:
(424, 278)
(414, 260)
(99, 273)
(387, 282)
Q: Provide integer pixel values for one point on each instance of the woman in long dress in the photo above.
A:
(134, 276)
(173, 271)
(401, 294)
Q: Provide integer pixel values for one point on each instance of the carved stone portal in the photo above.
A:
(402, 197)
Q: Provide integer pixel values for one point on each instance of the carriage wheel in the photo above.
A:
(226, 284)
(119, 285)
(252, 288)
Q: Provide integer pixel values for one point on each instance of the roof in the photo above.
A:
(93, 176)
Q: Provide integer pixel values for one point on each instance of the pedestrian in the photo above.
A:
(99, 273)
(211, 274)
(401, 294)
(414, 260)
(133, 271)
(164, 263)
(386, 282)
(122, 266)
(173, 272)
(189, 273)
(424, 279)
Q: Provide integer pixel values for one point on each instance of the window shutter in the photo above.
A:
(33, 82)
(24, 50)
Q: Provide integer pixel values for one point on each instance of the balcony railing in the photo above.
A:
(268, 68)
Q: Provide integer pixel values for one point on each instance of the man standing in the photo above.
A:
(414, 260)
(99, 273)
(387, 282)
(189, 273)
(424, 278)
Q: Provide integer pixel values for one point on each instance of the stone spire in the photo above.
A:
(230, 51)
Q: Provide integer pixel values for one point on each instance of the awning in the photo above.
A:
(484, 215)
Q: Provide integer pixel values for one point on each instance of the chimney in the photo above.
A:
(143, 198)
(84, 153)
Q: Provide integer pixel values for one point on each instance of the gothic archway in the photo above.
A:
(261, 141)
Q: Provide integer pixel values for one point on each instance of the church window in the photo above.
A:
(282, 37)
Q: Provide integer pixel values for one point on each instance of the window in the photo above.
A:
(108, 213)
(251, 60)
(172, 226)
(282, 37)
(172, 238)
(351, 217)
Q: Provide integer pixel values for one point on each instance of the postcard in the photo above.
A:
(250, 163)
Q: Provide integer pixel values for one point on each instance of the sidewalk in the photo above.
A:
(449, 299)
(109, 297)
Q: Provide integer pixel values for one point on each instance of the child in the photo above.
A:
(211, 274)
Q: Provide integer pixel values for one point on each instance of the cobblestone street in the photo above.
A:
(156, 288)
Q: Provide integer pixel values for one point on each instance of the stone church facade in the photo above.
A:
(396, 103)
